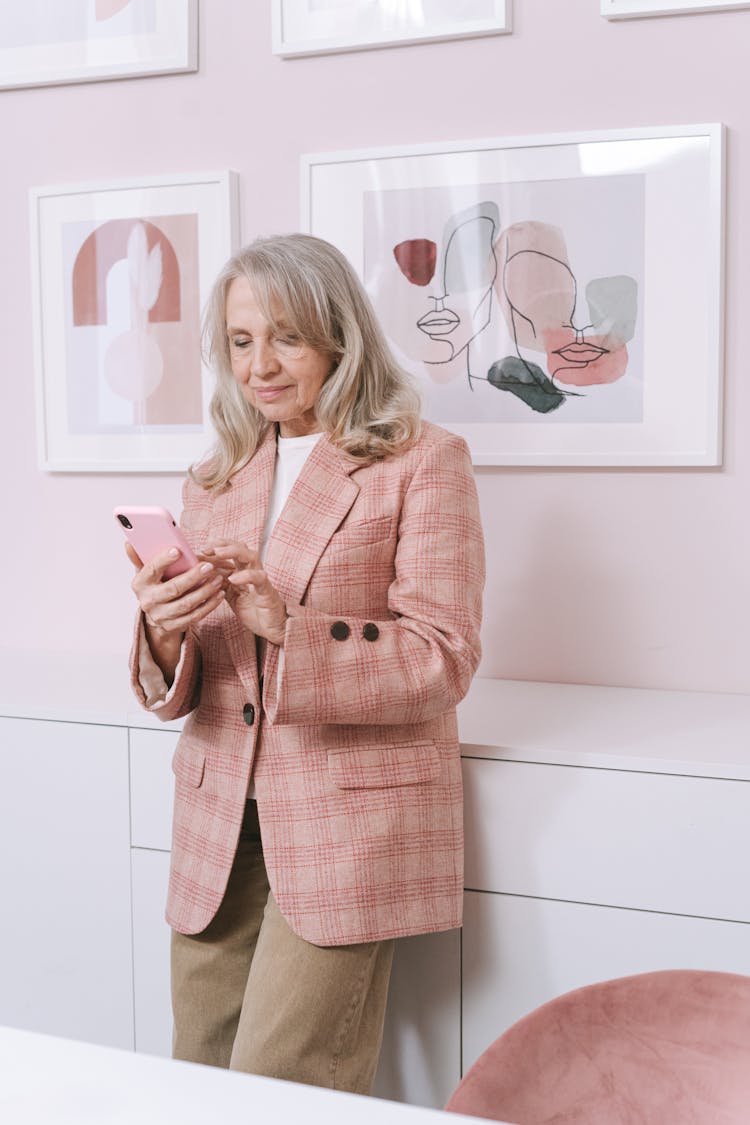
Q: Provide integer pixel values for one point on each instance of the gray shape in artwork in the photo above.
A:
(526, 381)
(613, 307)
(468, 237)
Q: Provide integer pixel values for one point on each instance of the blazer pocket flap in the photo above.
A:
(364, 533)
(384, 767)
(189, 764)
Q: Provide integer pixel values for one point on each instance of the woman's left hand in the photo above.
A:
(249, 593)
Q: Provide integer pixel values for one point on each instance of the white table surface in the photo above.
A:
(50, 1081)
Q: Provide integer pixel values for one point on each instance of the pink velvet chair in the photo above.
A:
(667, 1048)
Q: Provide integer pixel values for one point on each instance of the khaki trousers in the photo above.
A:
(250, 995)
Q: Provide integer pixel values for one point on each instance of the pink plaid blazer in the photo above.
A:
(352, 741)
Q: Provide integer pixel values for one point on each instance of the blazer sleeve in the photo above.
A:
(418, 663)
(184, 694)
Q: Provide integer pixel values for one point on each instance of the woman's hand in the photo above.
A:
(171, 607)
(257, 604)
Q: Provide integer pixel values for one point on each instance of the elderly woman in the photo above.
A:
(318, 650)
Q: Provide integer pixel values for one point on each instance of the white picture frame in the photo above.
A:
(625, 9)
(121, 271)
(317, 27)
(95, 40)
(646, 387)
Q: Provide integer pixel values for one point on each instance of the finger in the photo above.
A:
(179, 583)
(156, 566)
(266, 595)
(134, 558)
(165, 614)
(249, 576)
(152, 592)
(173, 588)
(184, 621)
(226, 549)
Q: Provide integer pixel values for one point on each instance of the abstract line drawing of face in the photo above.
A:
(538, 295)
(447, 299)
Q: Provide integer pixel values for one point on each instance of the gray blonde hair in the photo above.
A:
(368, 405)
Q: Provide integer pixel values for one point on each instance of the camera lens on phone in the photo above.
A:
(124, 521)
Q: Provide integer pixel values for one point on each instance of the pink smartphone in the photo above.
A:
(151, 531)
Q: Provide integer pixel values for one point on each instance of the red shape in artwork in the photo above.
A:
(416, 259)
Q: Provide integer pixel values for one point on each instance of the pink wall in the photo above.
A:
(626, 577)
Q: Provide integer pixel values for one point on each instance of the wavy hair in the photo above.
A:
(368, 405)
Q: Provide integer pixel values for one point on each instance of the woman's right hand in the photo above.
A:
(171, 607)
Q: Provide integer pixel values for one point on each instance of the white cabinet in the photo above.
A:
(151, 788)
(420, 1061)
(66, 966)
(520, 952)
(153, 1011)
(606, 834)
(652, 841)
(151, 792)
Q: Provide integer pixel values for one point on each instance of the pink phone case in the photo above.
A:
(151, 531)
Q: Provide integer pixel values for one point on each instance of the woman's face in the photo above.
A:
(277, 373)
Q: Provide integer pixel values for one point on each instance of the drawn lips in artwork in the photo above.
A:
(580, 355)
(439, 323)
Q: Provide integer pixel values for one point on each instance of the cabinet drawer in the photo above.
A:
(517, 953)
(645, 840)
(151, 788)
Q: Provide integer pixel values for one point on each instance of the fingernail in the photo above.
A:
(206, 568)
(173, 552)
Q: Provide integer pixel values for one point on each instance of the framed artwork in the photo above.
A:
(621, 9)
(43, 43)
(316, 27)
(558, 298)
(121, 271)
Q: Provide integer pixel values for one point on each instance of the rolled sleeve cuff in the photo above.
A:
(150, 675)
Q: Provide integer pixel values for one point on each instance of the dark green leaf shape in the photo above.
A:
(526, 381)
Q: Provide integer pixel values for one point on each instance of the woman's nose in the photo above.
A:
(263, 360)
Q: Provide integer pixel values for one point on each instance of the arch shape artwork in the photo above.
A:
(104, 247)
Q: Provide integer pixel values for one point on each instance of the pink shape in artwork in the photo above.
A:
(583, 361)
(105, 9)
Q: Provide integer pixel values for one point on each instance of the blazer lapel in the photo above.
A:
(320, 499)
(241, 514)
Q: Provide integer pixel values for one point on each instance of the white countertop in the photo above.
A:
(50, 1081)
(71, 687)
(694, 733)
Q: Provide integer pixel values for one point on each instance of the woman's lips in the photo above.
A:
(268, 394)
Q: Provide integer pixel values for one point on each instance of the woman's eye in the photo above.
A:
(241, 342)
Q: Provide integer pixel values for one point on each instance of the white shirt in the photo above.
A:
(291, 454)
